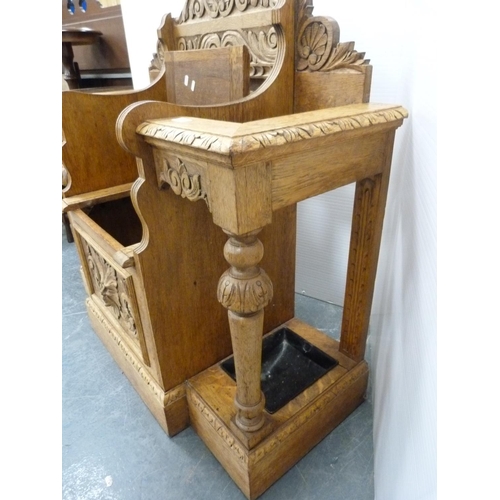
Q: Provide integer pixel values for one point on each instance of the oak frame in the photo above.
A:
(235, 167)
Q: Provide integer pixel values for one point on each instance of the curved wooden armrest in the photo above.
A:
(245, 171)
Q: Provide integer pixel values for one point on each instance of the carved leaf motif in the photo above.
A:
(193, 9)
(127, 314)
(262, 44)
(159, 56)
(111, 289)
(106, 281)
(183, 183)
(211, 41)
(225, 145)
(344, 56)
(245, 295)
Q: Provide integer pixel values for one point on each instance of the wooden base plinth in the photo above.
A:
(293, 430)
(168, 407)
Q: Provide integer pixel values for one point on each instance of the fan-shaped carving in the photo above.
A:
(318, 47)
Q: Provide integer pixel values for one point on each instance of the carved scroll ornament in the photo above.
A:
(262, 45)
(262, 41)
(198, 9)
(182, 182)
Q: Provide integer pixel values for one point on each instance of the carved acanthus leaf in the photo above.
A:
(111, 289)
(318, 129)
(158, 57)
(208, 142)
(247, 143)
(105, 279)
(245, 296)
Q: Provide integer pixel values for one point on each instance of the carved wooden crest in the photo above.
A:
(258, 33)
(318, 47)
(198, 9)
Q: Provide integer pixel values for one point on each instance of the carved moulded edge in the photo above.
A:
(243, 144)
(219, 427)
(164, 398)
(212, 9)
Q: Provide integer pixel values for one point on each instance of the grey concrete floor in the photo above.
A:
(113, 448)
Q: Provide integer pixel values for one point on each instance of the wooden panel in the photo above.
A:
(317, 90)
(300, 176)
(198, 77)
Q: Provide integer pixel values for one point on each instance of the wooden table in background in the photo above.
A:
(71, 37)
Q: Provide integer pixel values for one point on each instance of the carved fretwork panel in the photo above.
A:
(115, 290)
(256, 32)
(262, 45)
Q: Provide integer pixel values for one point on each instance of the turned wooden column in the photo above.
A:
(245, 289)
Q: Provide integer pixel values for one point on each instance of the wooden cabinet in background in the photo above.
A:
(105, 62)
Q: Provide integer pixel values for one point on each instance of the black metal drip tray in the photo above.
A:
(290, 365)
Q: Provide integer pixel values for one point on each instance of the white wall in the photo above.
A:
(141, 20)
(398, 38)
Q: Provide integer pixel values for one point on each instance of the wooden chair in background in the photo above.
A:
(127, 258)
(94, 48)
